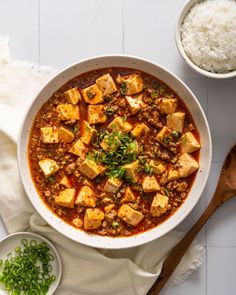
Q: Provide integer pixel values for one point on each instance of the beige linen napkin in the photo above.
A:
(85, 270)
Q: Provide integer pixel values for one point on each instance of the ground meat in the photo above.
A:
(191, 127)
(70, 122)
(164, 154)
(178, 186)
(182, 187)
(102, 232)
(70, 168)
(104, 223)
(110, 216)
(163, 178)
(122, 102)
(80, 209)
(47, 193)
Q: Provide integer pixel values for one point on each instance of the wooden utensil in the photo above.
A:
(225, 190)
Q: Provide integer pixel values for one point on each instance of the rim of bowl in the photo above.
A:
(184, 12)
(113, 243)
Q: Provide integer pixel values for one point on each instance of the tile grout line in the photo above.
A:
(206, 284)
(39, 32)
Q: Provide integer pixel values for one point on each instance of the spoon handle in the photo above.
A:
(179, 250)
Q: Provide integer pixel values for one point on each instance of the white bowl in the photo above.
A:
(183, 14)
(205, 153)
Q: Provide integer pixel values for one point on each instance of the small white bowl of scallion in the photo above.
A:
(29, 264)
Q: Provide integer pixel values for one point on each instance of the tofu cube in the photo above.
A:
(87, 182)
(68, 112)
(49, 134)
(93, 218)
(48, 166)
(157, 166)
(86, 197)
(133, 82)
(150, 184)
(189, 143)
(77, 222)
(78, 148)
(96, 114)
(112, 185)
(175, 121)
(164, 135)
(90, 169)
(65, 181)
(131, 170)
(159, 205)
(66, 135)
(106, 84)
(135, 103)
(128, 196)
(173, 174)
(129, 215)
(140, 130)
(167, 105)
(119, 124)
(66, 198)
(92, 94)
(72, 95)
(108, 208)
(187, 164)
(87, 132)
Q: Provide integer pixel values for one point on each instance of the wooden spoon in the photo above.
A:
(225, 190)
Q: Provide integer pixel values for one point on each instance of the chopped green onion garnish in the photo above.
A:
(110, 111)
(166, 139)
(175, 134)
(27, 271)
(166, 191)
(123, 88)
(114, 224)
(148, 169)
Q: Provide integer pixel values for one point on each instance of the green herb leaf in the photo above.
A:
(148, 169)
(107, 98)
(175, 134)
(90, 93)
(166, 191)
(123, 88)
(114, 224)
(52, 179)
(166, 139)
(110, 111)
(154, 94)
(75, 129)
(124, 118)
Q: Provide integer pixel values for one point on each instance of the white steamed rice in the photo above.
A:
(209, 35)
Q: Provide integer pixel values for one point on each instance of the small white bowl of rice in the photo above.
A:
(206, 37)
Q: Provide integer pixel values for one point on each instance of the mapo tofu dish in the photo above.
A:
(114, 152)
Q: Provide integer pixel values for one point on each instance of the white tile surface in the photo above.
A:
(221, 230)
(58, 33)
(149, 33)
(221, 115)
(19, 20)
(221, 274)
(77, 29)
